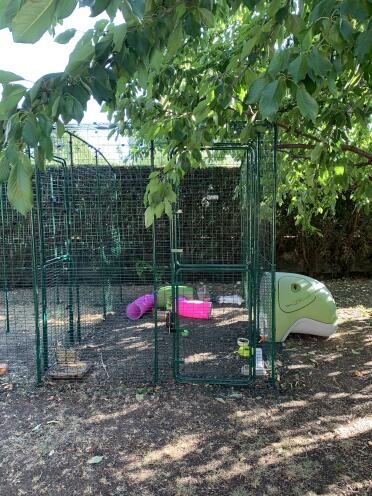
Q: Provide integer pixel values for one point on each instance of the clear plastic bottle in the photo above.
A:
(203, 293)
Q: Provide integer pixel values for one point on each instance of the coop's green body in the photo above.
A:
(303, 305)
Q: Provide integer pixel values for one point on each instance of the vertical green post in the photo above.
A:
(54, 228)
(44, 305)
(155, 283)
(68, 221)
(273, 260)
(36, 300)
(100, 235)
(5, 268)
(70, 175)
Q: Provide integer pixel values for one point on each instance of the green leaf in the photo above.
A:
(120, 32)
(45, 123)
(82, 54)
(149, 216)
(248, 47)
(363, 46)
(98, 7)
(339, 170)
(65, 37)
(138, 8)
(8, 9)
(65, 8)
(113, 8)
(256, 89)
(191, 24)
(39, 154)
(201, 111)
(207, 17)
(94, 460)
(175, 40)
(298, 67)
(4, 167)
(30, 132)
(318, 63)
(60, 129)
(32, 20)
(316, 153)
(19, 186)
(12, 94)
(294, 24)
(156, 58)
(322, 9)
(306, 103)
(278, 62)
(168, 208)
(159, 210)
(8, 77)
(271, 98)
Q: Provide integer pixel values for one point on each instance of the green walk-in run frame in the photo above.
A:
(70, 268)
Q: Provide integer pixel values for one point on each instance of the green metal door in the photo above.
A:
(217, 346)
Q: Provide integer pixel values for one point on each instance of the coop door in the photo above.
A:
(214, 342)
(211, 239)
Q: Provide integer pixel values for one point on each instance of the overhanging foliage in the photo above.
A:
(184, 71)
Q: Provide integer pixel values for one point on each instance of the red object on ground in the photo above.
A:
(3, 368)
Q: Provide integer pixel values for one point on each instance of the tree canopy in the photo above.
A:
(184, 71)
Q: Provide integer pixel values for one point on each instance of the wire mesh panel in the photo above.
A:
(212, 328)
(17, 309)
(223, 295)
(73, 269)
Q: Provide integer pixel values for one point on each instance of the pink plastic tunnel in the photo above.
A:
(140, 306)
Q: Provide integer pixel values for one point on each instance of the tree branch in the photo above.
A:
(345, 148)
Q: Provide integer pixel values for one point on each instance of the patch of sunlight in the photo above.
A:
(91, 318)
(294, 404)
(102, 417)
(2, 317)
(300, 366)
(175, 451)
(211, 466)
(320, 395)
(142, 474)
(246, 417)
(354, 427)
(141, 346)
(237, 469)
(57, 322)
(291, 446)
(200, 357)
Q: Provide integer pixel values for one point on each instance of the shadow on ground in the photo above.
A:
(310, 436)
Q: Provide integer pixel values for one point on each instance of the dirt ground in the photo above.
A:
(310, 436)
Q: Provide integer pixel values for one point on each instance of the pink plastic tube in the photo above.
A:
(141, 305)
(195, 309)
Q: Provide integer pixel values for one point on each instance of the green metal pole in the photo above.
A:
(54, 229)
(68, 253)
(273, 261)
(44, 304)
(100, 233)
(5, 268)
(155, 282)
(36, 301)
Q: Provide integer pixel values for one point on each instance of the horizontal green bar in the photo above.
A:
(184, 379)
(211, 268)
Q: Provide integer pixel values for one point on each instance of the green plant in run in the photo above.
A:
(186, 71)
